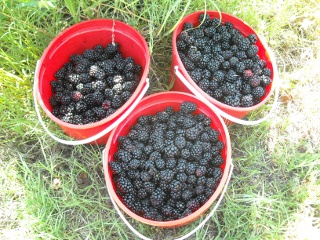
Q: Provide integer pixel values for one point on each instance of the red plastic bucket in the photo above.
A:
(75, 40)
(150, 105)
(177, 65)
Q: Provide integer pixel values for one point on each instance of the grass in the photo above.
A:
(53, 191)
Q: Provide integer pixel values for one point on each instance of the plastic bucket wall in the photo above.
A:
(75, 40)
(264, 53)
(151, 105)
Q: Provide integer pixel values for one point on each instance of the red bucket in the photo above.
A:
(75, 40)
(184, 83)
(151, 105)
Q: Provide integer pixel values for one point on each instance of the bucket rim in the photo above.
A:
(269, 55)
(205, 206)
(99, 23)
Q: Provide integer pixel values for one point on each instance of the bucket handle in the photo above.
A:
(222, 113)
(186, 235)
(94, 137)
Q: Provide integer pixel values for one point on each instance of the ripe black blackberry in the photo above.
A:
(252, 51)
(194, 54)
(196, 75)
(124, 185)
(218, 94)
(265, 80)
(258, 92)
(252, 38)
(246, 101)
(233, 101)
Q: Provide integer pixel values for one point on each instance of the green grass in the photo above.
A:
(52, 191)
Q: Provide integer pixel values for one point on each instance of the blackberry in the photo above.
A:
(134, 163)
(197, 32)
(209, 31)
(213, 65)
(229, 88)
(213, 85)
(182, 177)
(240, 67)
(185, 153)
(204, 84)
(98, 98)
(233, 101)
(248, 63)
(241, 55)
(116, 102)
(258, 92)
(188, 64)
(214, 151)
(246, 101)
(175, 186)
(166, 175)
(111, 49)
(211, 183)
(89, 54)
(160, 164)
(196, 75)
(86, 88)
(149, 187)
(217, 93)
(171, 151)
(194, 54)
(190, 168)
(256, 69)
(187, 195)
(199, 189)
(193, 205)
(252, 38)
(181, 45)
(203, 62)
(243, 44)
(265, 80)
(80, 107)
(204, 19)
(216, 50)
(213, 134)
(218, 76)
(175, 195)
(180, 206)
(220, 145)
(74, 78)
(192, 133)
(188, 107)
(247, 74)
(181, 166)
(145, 176)
(196, 151)
(252, 51)
(187, 26)
(231, 76)
(171, 163)
(233, 61)
(142, 193)
(123, 156)
(60, 74)
(266, 72)
(200, 44)
(217, 173)
(201, 171)
(65, 99)
(115, 167)
(99, 112)
(124, 185)
(108, 93)
(217, 161)
(255, 81)
(106, 104)
(246, 89)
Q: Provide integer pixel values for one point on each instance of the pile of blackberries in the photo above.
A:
(223, 62)
(93, 85)
(168, 165)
